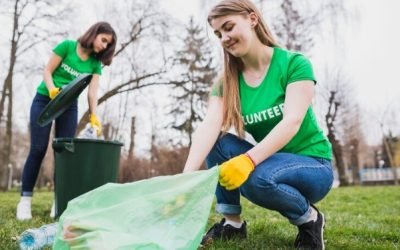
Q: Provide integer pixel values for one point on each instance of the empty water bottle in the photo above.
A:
(37, 238)
(90, 133)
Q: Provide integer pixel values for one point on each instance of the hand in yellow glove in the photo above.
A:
(95, 123)
(235, 172)
(53, 92)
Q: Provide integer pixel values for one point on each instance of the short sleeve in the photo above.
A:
(216, 89)
(300, 69)
(62, 48)
(97, 68)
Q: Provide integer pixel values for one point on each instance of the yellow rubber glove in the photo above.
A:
(95, 123)
(235, 172)
(54, 92)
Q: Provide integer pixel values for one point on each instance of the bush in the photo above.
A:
(163, 161)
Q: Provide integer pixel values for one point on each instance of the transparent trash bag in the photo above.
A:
(166, 212)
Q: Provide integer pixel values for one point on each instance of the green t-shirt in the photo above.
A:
(71, 66)
(262, 106)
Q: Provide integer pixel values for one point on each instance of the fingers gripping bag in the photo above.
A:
(166, 212)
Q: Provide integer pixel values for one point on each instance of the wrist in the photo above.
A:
(251, 159)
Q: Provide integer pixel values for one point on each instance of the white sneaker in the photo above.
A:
(24, 210)
(53, 210)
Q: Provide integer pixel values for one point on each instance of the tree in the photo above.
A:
(141, 27)
(297, 23)
(337, 148)
(27, 18)
(388, 153)
(354, 144)
(196, 61)
(343, 121)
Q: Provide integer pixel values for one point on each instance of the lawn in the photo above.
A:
(357, 218)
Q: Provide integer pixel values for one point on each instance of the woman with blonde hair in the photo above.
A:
(265, 91)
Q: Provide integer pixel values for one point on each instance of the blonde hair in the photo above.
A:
(233, 65)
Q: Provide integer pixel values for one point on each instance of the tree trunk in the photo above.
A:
(390, 158)
(336, 147)
(132, 144)
(338, 154)
(6, 148)
(355, 163)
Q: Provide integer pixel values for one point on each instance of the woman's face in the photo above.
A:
(101, 42)
(235, 33)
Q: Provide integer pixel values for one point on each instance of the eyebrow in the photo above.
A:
(222, 26)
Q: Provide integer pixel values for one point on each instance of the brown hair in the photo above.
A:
(87, 39)
(233, 65)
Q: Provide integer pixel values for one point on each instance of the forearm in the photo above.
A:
(279, 136)
(92, 101)
(92, 94)
(203, 140)
(48, 80)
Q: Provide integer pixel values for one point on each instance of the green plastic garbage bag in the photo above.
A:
(167, 212)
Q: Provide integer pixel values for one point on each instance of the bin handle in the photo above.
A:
(60, 147)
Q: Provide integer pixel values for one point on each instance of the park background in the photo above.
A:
(154, 95)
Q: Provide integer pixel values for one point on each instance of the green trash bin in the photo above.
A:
(82, 165)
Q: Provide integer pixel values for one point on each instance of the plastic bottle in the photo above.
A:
(37, 238)
(90, 133)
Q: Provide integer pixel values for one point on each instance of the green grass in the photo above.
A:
(357, 218)
(10, 228)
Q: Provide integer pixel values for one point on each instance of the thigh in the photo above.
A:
(312, 177)
(66, 123)
(39, 135)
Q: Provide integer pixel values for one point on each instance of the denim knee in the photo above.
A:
(38, 150)
(256, 185)
(226, 147)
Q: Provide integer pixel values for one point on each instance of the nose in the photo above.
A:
(225, 38)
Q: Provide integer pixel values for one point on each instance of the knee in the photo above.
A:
(217, 154)
(38, 150)
(225, 148)
(256, 186)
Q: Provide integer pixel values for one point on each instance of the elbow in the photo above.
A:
(198, 131)
(294, 123)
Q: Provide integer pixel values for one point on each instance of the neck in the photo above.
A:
(258, 57)
(84, 51)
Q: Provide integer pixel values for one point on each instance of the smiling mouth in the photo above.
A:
(230, 45)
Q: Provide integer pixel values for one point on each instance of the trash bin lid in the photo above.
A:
(85, 140)
(64, 99)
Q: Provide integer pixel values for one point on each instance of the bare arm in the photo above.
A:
(92, 93)
(53, 63)
(299, 96)
(205, 135)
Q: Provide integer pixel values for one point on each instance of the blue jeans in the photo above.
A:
(65, 127)
(284, 182)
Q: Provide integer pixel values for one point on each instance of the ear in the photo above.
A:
(253, 19)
